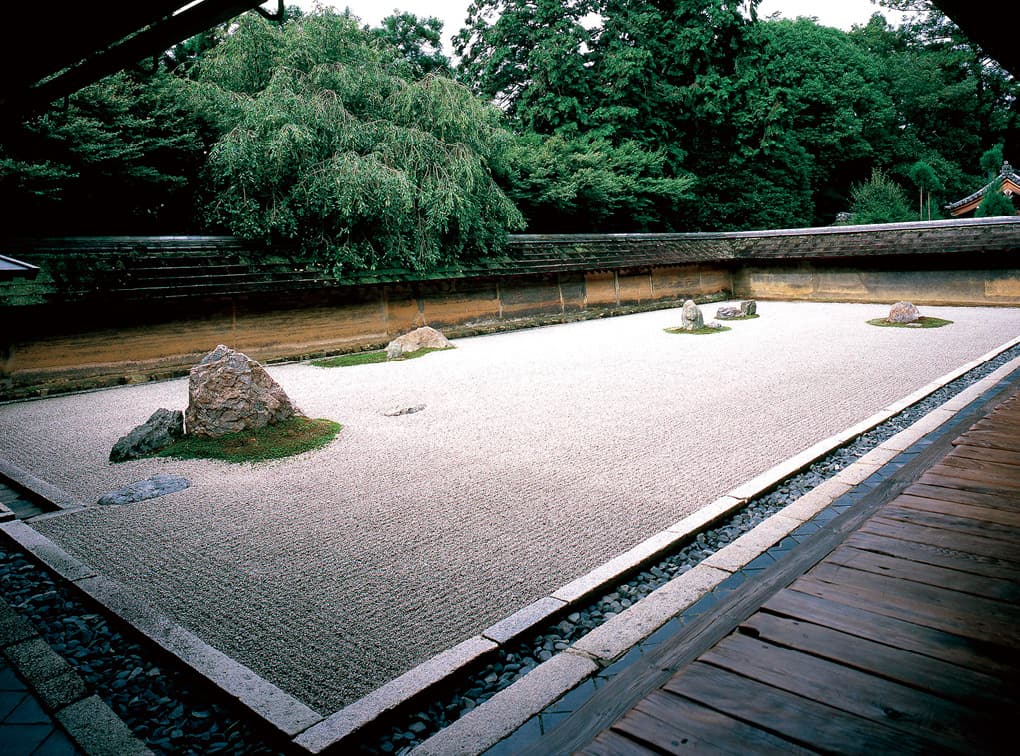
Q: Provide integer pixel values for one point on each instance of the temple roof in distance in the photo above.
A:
(1008, 182)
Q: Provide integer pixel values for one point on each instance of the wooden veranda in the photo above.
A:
(895, 630)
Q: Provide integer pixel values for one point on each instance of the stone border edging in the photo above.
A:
(87, 720)
(270, 704)
(508, 709)
(39, 487)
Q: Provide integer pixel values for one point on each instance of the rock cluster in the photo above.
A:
(420, 338)
(161, 429)
(746, 309)
(229, 392)
(903, 312)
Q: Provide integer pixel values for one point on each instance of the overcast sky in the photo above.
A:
(842, 14)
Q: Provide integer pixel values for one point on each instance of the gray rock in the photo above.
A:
(158, 432)
(749, 307)
(903, 312)
(229, 392)
(150, 488)
(729, 313)
(420, 338)
(402, 410)
(691, 318)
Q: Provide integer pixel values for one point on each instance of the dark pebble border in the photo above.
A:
(171, 711)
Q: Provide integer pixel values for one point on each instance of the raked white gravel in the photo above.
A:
(539, 455)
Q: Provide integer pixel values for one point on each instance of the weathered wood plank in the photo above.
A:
(991, 439)
(673, 724)
(997, 472)
(1007, 517)
(970, 616)
(610, 743)
(966, 451)
(940, 556)
(939, 520)
(906, 569)
(952, 493)
(980, 547)
(802, 609)
(870, 696)
(808, 723)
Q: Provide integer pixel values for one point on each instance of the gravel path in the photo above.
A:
(540, 454)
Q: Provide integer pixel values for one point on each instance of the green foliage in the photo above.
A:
(879, 200)
(703, 331)
(922, 322)
(293, 436)
(118, 159)
(339, 157)
(417, 42)
(370, 358)
(994, 204)
(991, 161)
(586, 184)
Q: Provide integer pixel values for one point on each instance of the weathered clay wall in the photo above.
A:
(989, 283)
(50, 348)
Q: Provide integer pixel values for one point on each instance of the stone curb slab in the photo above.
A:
(344, 723)
(486, 725)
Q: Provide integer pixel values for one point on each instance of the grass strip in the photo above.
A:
(697, 332)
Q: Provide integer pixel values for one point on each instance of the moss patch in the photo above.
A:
(922, 322)
(293, 436)
(699, 332)
(368, 358)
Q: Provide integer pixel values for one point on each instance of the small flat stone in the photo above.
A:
(150, 488)
(403, 410)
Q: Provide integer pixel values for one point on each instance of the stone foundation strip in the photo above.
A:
(505, 711)
(93, 726)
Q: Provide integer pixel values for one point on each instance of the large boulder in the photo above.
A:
(749, 307)
(229, 392)
(691, 318)
(420, 338)
(903, 312)
(729, 313)
(155, 434)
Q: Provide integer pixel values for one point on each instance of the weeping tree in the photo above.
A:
(326, 149)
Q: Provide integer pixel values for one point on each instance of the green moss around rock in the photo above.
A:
(293, 436)
(368, 358)
(699, 331)
(922, 322)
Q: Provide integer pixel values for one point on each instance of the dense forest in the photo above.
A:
(367, 147)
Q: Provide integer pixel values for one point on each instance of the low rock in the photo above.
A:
(161, 429)
(691, 318)
(749, 307)
(903, 312)
(715, 326)
(420, 338)
(229, 392)
(403, 410)
(729, 313)
(150, 488)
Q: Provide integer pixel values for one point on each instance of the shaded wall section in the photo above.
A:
(56, 347)
(109, 310)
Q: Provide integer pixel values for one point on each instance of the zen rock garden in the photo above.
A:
(906, 315)
(228, 392)
(747, 309)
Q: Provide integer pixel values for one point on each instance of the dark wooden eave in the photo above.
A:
(11, 269)
(988, 26)
(73, 43)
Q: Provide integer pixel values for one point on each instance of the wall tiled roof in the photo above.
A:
(167, 267)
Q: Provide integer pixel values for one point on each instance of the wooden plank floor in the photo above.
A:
(904, 638)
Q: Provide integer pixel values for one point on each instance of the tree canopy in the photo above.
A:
(361, 146)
